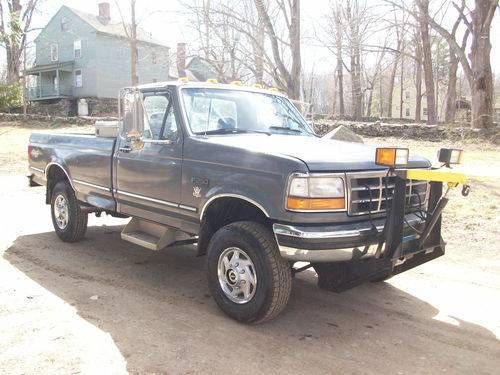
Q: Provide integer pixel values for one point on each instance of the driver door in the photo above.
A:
(148, 179)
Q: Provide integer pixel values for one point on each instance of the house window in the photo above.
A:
(425, 111)
(64, 24)
(407, 112)
(54, 52)
(78, 78)
(407, 95)
(77, 48)
(154, 58)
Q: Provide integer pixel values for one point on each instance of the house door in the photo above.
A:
(55, 82)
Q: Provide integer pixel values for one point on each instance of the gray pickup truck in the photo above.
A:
(239, 172)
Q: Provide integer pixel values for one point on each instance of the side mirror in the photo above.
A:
(132, 127)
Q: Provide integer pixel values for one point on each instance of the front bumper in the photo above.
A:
(338, 243)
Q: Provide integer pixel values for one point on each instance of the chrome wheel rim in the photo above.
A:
(237, 275)
(61, 211)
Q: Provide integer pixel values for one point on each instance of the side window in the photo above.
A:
(77, 48)
(155, 107)
(170, 130)
(54, 52)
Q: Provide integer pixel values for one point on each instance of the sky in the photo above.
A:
(165, 20)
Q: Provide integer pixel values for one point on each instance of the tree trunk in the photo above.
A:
(12, 45)
(369, 104)
(401, 84)
(340, 67)
(451, 91)
(294, 82)
(357, 94)
(482, 85)
(340, 80)
(418, 81)
(392, 79)
(427, 54)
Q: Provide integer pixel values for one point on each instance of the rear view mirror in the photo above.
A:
(132, 127)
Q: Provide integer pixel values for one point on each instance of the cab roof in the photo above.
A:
(208, 85)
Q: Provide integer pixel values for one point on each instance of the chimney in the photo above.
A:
(104, 13)
(181, 59)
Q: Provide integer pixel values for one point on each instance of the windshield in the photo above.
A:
(222, 111)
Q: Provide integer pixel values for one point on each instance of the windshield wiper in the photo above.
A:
(232, 131)
(281, 128)
(223, 131)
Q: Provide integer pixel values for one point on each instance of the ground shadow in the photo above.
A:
(159, 303)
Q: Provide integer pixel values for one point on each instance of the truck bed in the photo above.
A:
(85, 158)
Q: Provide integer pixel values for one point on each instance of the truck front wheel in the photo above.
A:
(70, 222)
(248, 278)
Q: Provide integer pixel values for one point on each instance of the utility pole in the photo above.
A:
(134, 56)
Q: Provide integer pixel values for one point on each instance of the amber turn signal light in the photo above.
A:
(391, 157)
(295, 203)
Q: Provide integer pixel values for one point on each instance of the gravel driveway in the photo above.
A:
(106, 306)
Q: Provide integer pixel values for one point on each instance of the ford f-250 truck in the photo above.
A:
(239, 172)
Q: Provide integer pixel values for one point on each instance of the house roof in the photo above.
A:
(64, 66)
(113, 28)
(197, 69)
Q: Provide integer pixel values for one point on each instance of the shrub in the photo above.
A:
(10, 96)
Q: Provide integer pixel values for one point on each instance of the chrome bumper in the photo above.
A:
(333, 243)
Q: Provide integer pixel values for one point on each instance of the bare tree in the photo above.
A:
(130, 30)
(423, 21)
(476, 66)
(418, 76)
(15, 23)
(451, 91)
(289, 13)
(229, 41)
(334, 29)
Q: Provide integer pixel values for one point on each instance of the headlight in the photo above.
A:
(391, 157)
(316, 193)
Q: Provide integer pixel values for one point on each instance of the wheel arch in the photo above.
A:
(55, 172)
(223, 209)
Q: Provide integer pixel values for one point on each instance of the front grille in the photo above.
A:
(372, 191)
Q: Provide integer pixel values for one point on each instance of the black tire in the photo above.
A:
(273, 273)
(77, 220)
(381, 278)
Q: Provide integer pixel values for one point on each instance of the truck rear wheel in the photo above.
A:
(70, 223)
(247, 276)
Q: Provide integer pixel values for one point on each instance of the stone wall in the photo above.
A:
(434, 133)
(103, 107)
(69, 107)
(63, 120)
(54, 107)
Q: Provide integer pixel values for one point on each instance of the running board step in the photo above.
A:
(151, 235)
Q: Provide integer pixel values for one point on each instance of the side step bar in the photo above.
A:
(151, 235)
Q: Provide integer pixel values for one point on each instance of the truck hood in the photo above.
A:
(319, 154)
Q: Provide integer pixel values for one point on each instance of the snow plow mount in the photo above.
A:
(406, 246)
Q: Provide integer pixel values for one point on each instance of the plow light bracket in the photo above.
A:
(450, 156)
(452, 178)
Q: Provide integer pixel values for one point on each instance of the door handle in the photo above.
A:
(126, 148)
